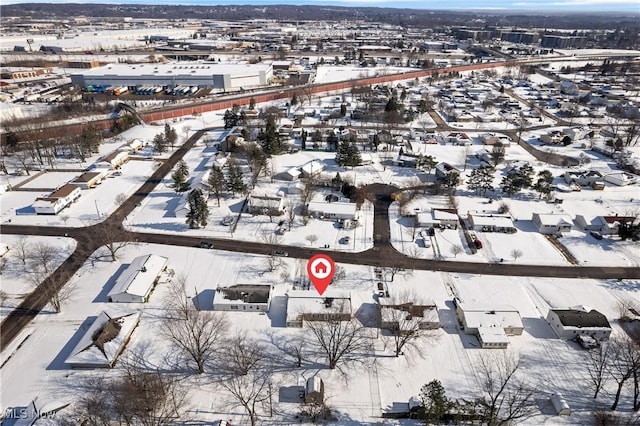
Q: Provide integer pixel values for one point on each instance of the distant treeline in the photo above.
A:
(418, 18)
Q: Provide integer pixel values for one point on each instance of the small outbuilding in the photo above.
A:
(560, 405)
(136, 282)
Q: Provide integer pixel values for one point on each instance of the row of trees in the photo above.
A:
(481, 180)
(162, 141)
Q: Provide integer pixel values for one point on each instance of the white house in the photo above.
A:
(313, 167)
(104, 340)
(136, 282)
(266, 204)
(333, 210)
(243, 297)
(620, 178)
(551, 223)
(578, 320)
(115, 159)
(88, 180)
(437, 218)
(307, 305)
(57, 200)
(425, 316)
(491, 324)
(490, 222)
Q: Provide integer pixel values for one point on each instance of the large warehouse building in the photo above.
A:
(224, 77)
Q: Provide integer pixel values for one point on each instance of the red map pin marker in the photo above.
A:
(320, 269)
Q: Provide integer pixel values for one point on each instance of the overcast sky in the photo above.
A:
(507, 5)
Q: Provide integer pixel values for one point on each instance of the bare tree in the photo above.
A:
(251, 391)
(111, 239)
(516, 253)
(273, 262)
(456, 249)
(505, 397)
(624, 308)
(402, 317)
(121, 198)
(42, 261)
(291, 214)
(242, 355)
(338, 340)
(625, 365)
(139, 396)
(21, 250)
(197, 334)
(597, 364)
(312, 238)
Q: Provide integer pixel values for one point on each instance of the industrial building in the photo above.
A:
(223, 77)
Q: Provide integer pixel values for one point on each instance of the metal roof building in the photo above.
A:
(226, 77)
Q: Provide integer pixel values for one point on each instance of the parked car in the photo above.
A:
(280, 253)
(206, 245)
(478, 243)
(345, 240)
(596, 235)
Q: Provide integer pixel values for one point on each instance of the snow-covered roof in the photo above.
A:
(553, 218)
(310, 302)
(103, 341)
(498, 221)
(313, 166)
(337, 207)
(178, 69)
(503, 316)
(492, 334)
(244, 293)
(138, 278)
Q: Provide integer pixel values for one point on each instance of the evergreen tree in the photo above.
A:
(217, 183)
(392, 105)
(543, 184)
(159, 143)
(348, 154)
(337, 180)
(198, 210)
(303, 139)
(343, 110)
(179, 176)
(426, 163)
(269, 138)
(252, 103)
(294, 100)
(517, 180)
(232, 117)
(235, 182)
(170, 135)
(481, 180)
(435, 403)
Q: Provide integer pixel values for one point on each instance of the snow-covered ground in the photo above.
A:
(37, 367)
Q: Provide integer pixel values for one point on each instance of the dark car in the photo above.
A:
(596, 235)
(205, 245)
(478, 244)
(431, 232)
(280, 253)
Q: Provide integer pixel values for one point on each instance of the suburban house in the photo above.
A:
(134, 285)
(272, 205)
(484, 222)
(443, 170)
(577, 133)
(88, 180)
(620, 178)
(554, 137)
(243, 297)
(438, 218)
(333, 210)
(459, 138)
(603, 224)
(306, 305)
(492, 139)
(57, 200)
(115, 159)
(313, 167)
(592, 178)
(551, 223)
(491, 324)
(572, 322)
(426, 316)
(104, 340)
